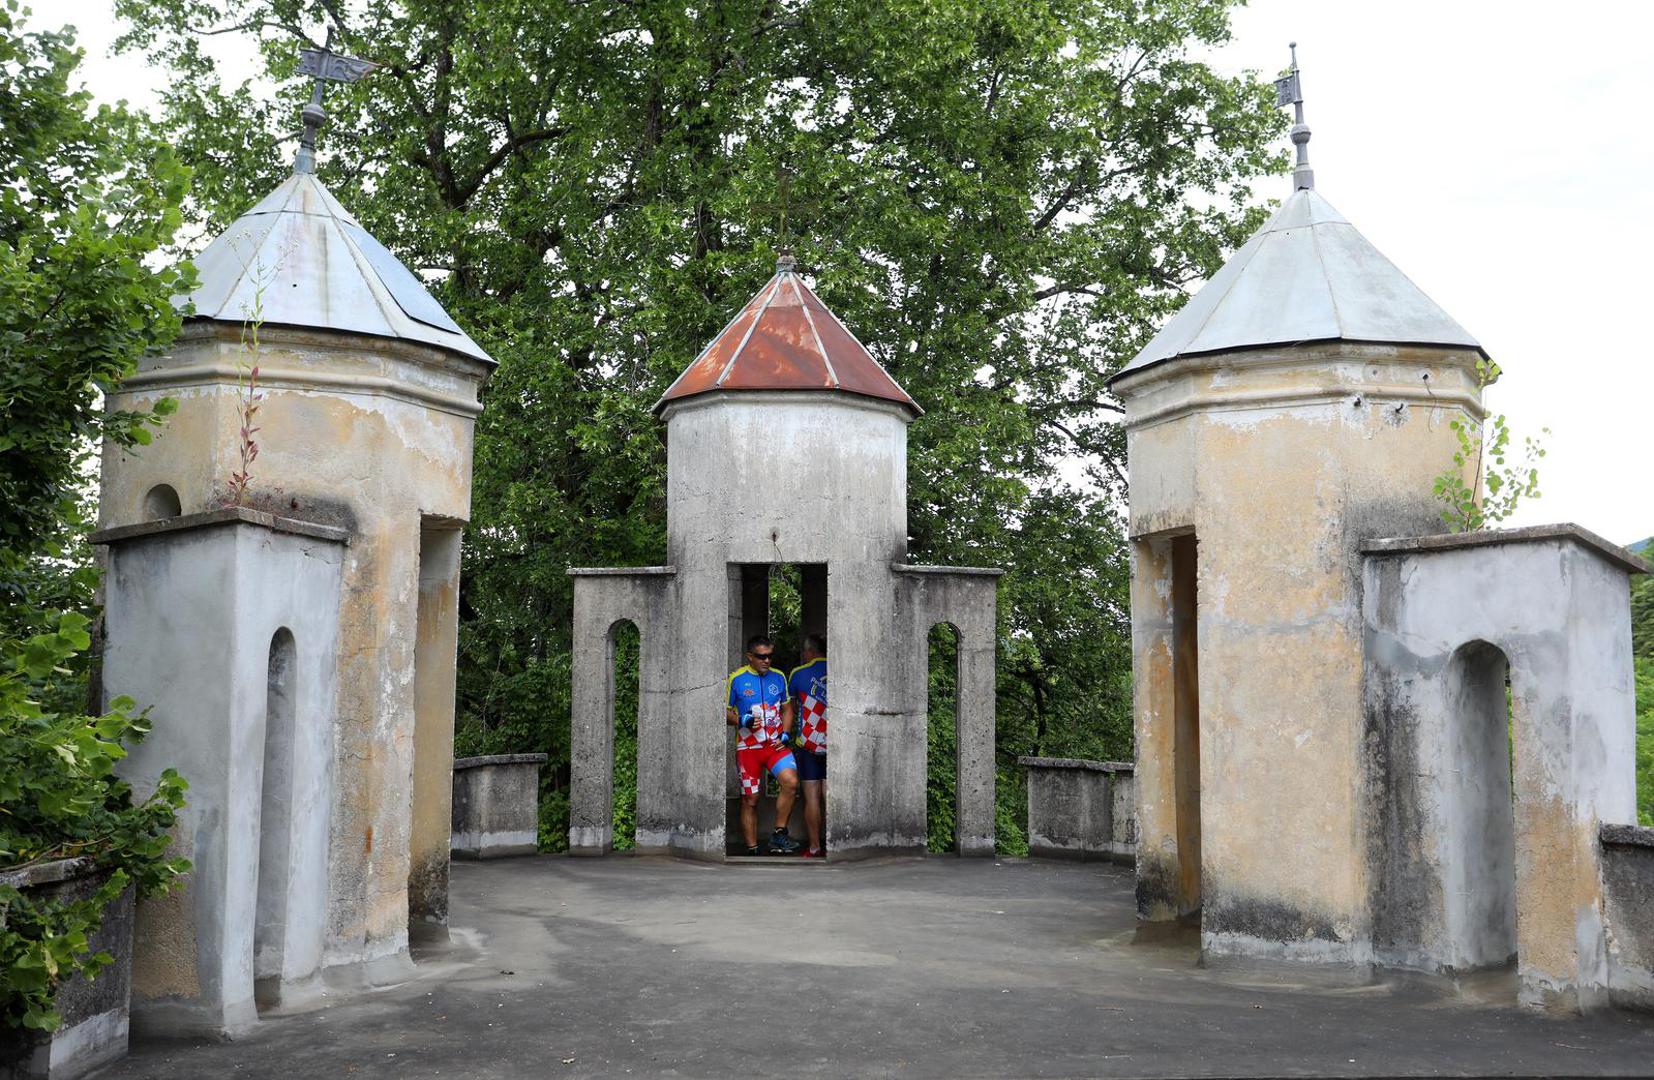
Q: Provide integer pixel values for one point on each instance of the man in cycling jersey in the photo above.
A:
(758, 706)
(807, 686)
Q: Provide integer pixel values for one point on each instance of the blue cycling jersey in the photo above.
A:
(766, 693)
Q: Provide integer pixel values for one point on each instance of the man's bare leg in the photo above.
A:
(787, 780)
(749, 819)
(812, 812)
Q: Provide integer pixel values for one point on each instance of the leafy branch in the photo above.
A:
(1497, 487)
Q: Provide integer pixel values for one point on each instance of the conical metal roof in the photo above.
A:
(318, 268)
(1307, 275)
(785, 338)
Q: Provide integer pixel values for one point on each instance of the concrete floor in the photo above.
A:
(935, 967)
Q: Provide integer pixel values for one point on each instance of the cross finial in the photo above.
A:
(1289, 90)
(324, 66)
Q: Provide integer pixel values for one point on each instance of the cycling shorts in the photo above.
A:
(811, 766)
(760, 759)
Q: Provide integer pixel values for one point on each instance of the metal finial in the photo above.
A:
(323, 65)
(785, 263)
(1289, 90)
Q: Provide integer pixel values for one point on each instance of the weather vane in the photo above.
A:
(1289, 90)
(325, 66)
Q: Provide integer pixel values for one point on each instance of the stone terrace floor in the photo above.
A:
(924, 967)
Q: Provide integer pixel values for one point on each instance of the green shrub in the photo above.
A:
(59, 799)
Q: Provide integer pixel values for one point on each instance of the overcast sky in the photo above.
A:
(1498, 153)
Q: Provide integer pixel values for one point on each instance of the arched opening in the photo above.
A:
(1481, 880)
(624, 645)
(161, 503)
(942, 738)
(275, 818)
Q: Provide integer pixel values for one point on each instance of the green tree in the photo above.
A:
(1000, 197)
(91, 195)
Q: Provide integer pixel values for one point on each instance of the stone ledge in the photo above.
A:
(962, 571)
(1407, 545)
(620, 571)
(1077, 763)
(228, 515)
(500, 759)
(1629, 835)
(46, 873)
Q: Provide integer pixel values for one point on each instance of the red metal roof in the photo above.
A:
(786, 339)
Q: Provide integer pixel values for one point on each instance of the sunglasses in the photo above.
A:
(764, 656)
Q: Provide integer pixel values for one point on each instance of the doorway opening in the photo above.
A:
(942, 739)
(436, 647)
(787, 603)
(1186, 719)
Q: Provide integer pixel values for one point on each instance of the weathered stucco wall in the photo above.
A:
(1628, 891)
(1079, 809)
(372, 435)
(1278, 463)
(192, 609)
(1461, 877)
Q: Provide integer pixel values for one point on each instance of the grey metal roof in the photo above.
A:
(319, 268)
(1307, 275)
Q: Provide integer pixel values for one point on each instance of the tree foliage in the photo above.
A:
(1001, 198)
(90, 196)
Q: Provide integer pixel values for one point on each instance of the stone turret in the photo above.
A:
(1297, 406)
(330, 817)
(786, 444)
(1355, 741)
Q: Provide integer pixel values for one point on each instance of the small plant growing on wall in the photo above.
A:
(247, 395)
(1501, 479)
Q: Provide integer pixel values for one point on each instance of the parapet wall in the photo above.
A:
(1079, 809)
(1628, 893)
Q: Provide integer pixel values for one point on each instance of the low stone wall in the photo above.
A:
(1628, 886)
(95, 1011)
(1079, 809)
(496, 805)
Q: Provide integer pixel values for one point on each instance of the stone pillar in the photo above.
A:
(193, 606)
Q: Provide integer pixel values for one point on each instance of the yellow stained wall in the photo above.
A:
(1281, 462)
(368, 433)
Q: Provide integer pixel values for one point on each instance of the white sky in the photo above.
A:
(1498, 153)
